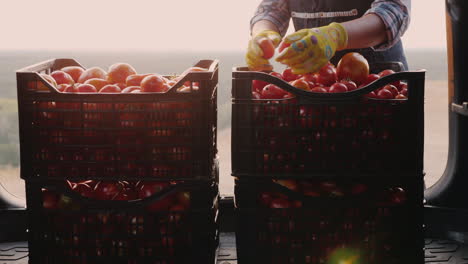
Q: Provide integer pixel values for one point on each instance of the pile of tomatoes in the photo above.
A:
(390, 196)
(352, 73)
(119, 78)
(118, 191)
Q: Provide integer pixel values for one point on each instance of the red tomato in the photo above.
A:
(338, 88)
(318, 89)
(280, 203)
(84, 190)
(70, 89)
(389, 72)
(327, 75)
(272, 91)
(107, 190)
(288, 75)
(310, 77)
(301, 84)
(397, 195)
(353, 66)
(371, 78)
(266, 198)
(385, 94)
(130, 89)
(401, 96)
(371, 95)
(277, 75)
(258, 85)
(50, 200)
(256, 95)
(86, 88)
(404, 92)
(290, 184)
(350, 85)
(402, 86)
(110, 88)
(267, 47)
(392, 89)
(150, 188)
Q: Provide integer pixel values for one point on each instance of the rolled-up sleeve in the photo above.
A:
(396, 16)
(275, 11)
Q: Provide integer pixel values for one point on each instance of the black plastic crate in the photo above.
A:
(323, 134)
(368, 220)
(168, 135)
(83, 230)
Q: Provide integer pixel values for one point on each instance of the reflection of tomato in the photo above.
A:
(353, 66)
(327, 75)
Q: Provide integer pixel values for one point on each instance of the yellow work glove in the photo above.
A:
(308, 50)
(255, 54)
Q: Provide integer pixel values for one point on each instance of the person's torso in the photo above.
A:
(316, 13)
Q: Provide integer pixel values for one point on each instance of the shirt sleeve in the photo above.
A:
(275, 11)
(396, 16)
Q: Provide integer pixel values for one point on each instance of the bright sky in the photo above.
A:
(162, 25)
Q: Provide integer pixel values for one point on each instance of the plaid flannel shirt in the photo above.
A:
(394, 13)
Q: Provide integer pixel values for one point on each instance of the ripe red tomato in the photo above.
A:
(289, 76)
(318, 89)
(301, 84)
(86, 88)
(280, 203)
(277, 75)
(267, 47)
(370, 78)
(70, 89)
(130, 89)
(392, 89)
(272, 91)
(350, 85)
(327, 75)
(401, 96)
(371, 95)
(84, 189)
(338, 88)
(353, 66)
(107, 190)
(402, 86)
(404, 92)
(110, 88)
(389, 72)
(256, 95)
(50, 200)
(257, 85)
(385, 94)
(310, 77)
(290, 184)
(150, 188)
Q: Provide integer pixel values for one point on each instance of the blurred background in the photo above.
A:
(169, 36)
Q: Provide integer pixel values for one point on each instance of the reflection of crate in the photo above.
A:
(327, 221)
(84, 230)
(326, 133)
(168, 135)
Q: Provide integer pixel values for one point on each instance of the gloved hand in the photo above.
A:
(255, 55)
(308, 50)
